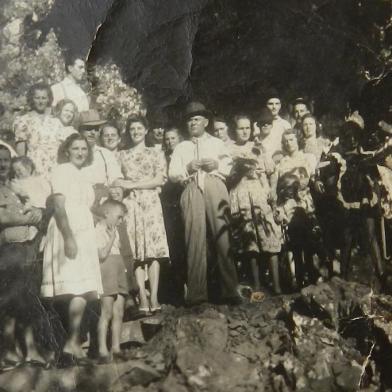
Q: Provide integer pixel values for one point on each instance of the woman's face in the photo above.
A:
(243, 130)
(78, 153)
(110, 138)
(40, 100)
(137, 132)
(171, 140)
(67, 114)
(309, 127)
(221, 130)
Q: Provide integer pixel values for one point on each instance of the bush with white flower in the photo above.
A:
(114, 99)
(23, 65)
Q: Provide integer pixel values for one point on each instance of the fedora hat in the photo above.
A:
(90, 118)
(264, 117)
(196, 109)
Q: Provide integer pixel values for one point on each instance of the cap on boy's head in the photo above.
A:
(265, 117)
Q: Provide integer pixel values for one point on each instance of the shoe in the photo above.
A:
(39, 364)
(120, 357)
(84, 361)
(9, 364)
(104, 359)
(66, 360)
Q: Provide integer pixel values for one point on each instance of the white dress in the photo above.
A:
(82, 274)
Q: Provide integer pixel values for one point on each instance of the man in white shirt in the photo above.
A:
(69, 87)
(105, 167)
(202, 164)
(279, 125)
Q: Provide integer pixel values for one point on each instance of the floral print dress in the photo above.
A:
(144, 220)
(43, 135)
(254, 227)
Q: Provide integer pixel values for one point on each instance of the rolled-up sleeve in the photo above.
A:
(177, 166)
(225, 161)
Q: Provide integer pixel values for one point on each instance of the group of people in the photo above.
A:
(90, 212)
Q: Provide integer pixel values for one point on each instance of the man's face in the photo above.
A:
(5, 164)
(110, 138)
(77, 70)
(171, 140)
(221, 130)
(274, 105)
(290, 143)
(197, 125)
(92, 135)
(158, 134)
(300, 110)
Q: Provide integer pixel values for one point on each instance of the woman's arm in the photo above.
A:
(156, 182)
(60, 215)
(21, 148)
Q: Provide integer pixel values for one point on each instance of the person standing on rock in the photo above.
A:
(202, 164)
(70, 86)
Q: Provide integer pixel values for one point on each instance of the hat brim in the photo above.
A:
(205, 113)
(92, 123)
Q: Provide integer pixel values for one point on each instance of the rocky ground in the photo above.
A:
(335, 336)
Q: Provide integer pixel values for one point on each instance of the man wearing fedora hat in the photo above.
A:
(202, 164)
(104, 168)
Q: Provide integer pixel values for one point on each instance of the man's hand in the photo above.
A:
(70, 248)
(193, 166)
(34, 216)
(319, 187)
(209, 165)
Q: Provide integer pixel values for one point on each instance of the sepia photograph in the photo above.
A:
(195, 195)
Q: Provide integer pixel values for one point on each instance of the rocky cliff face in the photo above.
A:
(335, 336)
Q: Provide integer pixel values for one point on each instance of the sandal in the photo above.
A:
(156, 309)
(145, 311)
(257, 296)
(36, 363)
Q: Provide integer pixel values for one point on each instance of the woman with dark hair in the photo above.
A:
(145, 173)
(253, 222)
(311, 141)
(71, 266)
(66, 111)
(37, 132)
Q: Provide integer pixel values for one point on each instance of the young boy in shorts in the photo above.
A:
(114, 280)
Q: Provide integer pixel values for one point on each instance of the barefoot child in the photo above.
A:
(114, 279)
